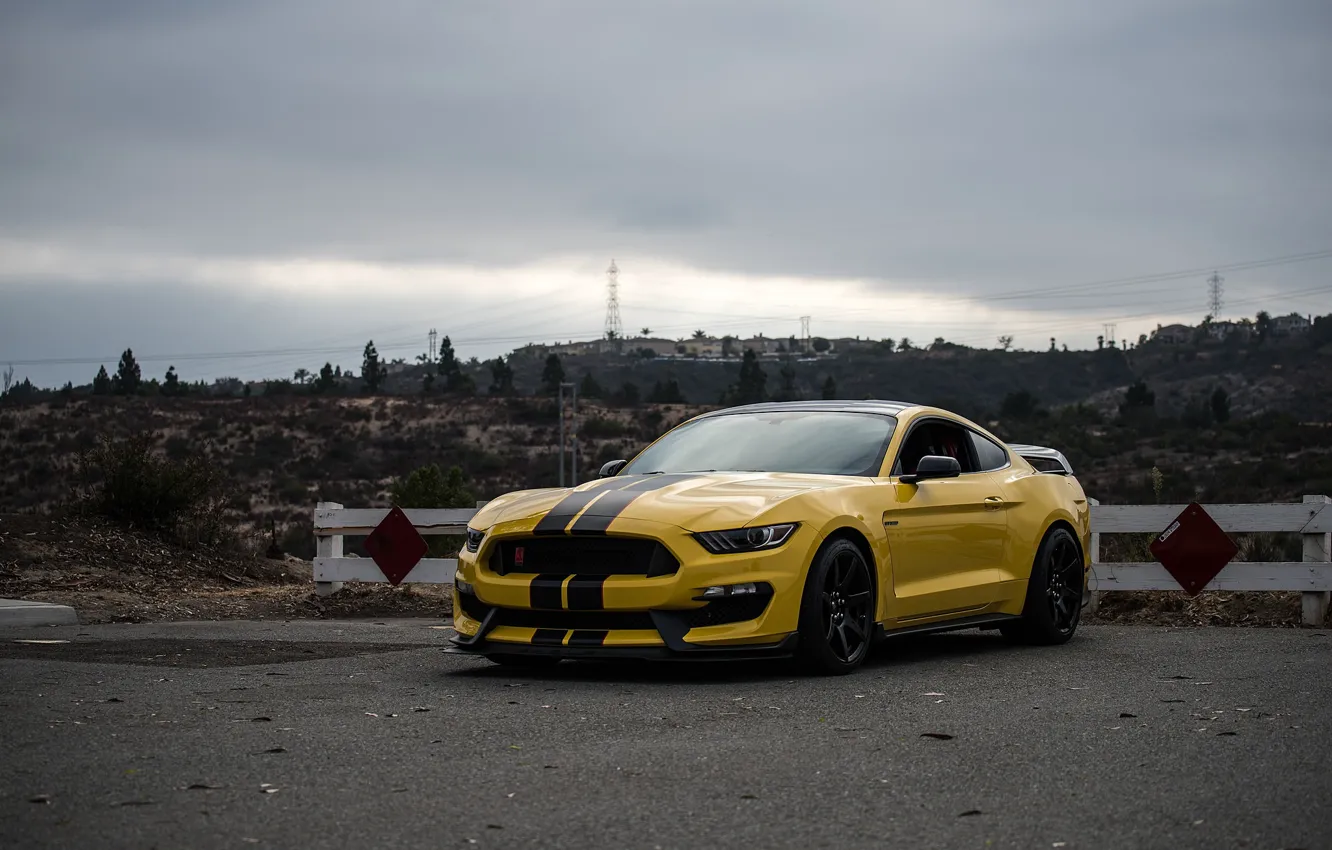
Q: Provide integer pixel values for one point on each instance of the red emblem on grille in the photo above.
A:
(517, 556)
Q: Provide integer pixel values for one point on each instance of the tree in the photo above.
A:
(628, 394)
(102, 383)
(904, 344)
(646, 332)
(301, 376)
(588, 387)
(1052, 343)
(128, 378)
(501, 377)
(1100, 341)
(327, 381)
(1263, 325)
(9, 379)
(788, 390)
(820, 344)
(830, 388)
(553, 375)
(456, 381)
(373, 371)
(667, 393)
(752, 385)
(700, 334)
(1006, 342)
(1220, 405)
(728, 345)
(1138, 397)
(171, 383)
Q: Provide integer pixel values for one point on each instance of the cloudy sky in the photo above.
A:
(250, 186)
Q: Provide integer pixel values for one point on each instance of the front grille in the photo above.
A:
(472, 607)
(590, 555)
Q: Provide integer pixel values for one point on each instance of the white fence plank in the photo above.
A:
(362, 521)
(426, 571)
(1238, 575)
(1292, 517)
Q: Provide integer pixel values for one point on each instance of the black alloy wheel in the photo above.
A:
(1053, 606)
(837, 611)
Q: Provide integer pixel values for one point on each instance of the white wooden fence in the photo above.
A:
(1311, 576)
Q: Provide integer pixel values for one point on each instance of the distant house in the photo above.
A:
(1290, 324)
(1173, 334)
(1224, 330)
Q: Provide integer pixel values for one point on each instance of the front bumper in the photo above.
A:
(583, 610)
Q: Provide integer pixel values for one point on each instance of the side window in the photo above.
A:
(989, 454)
(935, 438)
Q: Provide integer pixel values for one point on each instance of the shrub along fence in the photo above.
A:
(1311, 576)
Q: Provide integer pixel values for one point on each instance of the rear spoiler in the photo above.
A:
(1044, 459)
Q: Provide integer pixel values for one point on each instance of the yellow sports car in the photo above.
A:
(805, 529)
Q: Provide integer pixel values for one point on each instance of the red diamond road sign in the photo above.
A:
(1193, 549)
(396, 546)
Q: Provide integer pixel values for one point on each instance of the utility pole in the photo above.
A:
(804, 334)
(1109, 328)
(573, 432)
(1214, 295)
(432, 336)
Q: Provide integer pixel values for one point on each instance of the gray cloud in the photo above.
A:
(977, 147)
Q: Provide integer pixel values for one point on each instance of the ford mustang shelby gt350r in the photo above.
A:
(806, 529)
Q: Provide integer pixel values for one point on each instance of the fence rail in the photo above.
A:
(1312, 576)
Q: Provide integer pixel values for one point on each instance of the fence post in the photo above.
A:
(1095, 599)
(1317, 547)
(328, 547)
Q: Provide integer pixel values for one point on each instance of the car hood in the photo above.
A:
(693, 501)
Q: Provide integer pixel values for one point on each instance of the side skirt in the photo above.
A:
(979, 620)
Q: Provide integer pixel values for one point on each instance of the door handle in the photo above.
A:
(993, 503)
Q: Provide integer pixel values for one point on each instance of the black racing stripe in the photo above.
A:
(567, 508)
(599, 516)
(549, 637)
(585, 593)
(588, 638)
(545, 592)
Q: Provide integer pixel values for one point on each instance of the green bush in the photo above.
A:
(127, 481)
(430, 487)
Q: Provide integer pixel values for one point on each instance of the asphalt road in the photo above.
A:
(353, 734)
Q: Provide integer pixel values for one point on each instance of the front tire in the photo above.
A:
(1053, 607)
(837, 610)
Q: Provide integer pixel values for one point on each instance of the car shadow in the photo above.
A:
(896, 652)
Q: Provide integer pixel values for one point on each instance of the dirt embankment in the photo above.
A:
(111, 574)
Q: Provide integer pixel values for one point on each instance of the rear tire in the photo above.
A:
(836, 610)
(1053, 607)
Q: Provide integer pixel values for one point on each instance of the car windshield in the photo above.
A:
(818, 442)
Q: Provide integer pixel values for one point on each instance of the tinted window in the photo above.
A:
(934, 438)
(988, 453)
(819, 442)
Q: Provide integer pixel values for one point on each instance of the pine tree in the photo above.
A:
(102, 383)
(789, 391)
(128, 378)
(589, 388)
(501, 375)
(171, 383)
(373, 372)
(456, 382)
(830, 388)
(752, 386)
(327, 380)
(553, 375)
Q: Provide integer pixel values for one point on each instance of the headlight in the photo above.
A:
(754, 539)
(474, 539)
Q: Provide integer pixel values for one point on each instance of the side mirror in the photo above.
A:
(934, 466)
(612, 468)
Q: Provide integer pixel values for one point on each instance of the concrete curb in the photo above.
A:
(22, 612)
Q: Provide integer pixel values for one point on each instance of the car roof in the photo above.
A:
(891, 408)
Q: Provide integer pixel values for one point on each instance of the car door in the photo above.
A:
(947, 536)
